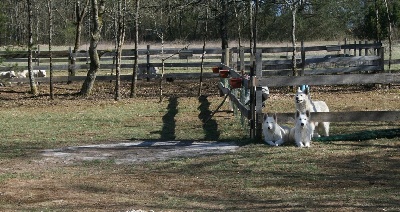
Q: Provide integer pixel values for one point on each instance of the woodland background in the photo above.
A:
(185, 20)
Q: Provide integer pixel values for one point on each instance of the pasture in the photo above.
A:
(357, 169)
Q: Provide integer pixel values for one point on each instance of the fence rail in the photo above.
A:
(68, 62)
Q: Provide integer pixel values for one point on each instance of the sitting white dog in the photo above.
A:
(303, 103)
(303, 129)
(274, 134)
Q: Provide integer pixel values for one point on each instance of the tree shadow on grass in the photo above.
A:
(362, 135)
(169, 123)
(210, 126)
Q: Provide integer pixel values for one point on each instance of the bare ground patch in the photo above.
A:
(137, 151)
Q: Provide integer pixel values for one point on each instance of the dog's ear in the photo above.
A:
(265, 116)
(297, 113)
(275, 118)
(299, 89)
(308, 113)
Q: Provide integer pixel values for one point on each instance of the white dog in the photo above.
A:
(304, 103)
(274, 134)
(36, 73)
(5, 76)
(152, 71)
(303, 129)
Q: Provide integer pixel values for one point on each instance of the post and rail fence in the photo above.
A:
(336, 66)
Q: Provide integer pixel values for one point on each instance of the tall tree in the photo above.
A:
(80, 13)
(136, 62)
(294, 6)
(3, 21)
(98, 9)
(50, 12)
(205, 31)
(120, 42)
(390, 33)
(224, 25)
(251, 22)
(377, 23)
(32, 83)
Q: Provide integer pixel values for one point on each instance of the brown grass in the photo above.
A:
(329, 176)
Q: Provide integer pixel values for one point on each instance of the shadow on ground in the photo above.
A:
(169, 123)
(210, 126)
(363, 135)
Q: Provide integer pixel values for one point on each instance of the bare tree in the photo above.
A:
(294, 6)
(204, 47)
(32, 83)
(80, 13)
(251, 26)
(390, 33)
(98, 9)
(378, 27)
(50, 9)
(120, 42)
(224, 27)
(136, 66)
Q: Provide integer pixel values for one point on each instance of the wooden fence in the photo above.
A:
(335, 67)
(68, 62)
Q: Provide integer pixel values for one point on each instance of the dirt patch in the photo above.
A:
(137, 152)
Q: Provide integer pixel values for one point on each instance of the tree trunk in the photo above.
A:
(239, 24)
(204, 47)
(80, 15)
(120, 41)
(224, 27)
(378, 28)
(294, 52)
(97, 13)
(251, 32)
(390, 34)
(134, 73)
(50, 9)
(32, 83)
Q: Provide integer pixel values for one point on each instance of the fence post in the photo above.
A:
(241, 56)
(252, 106)
(381, 54)
(38, 55)
(303, 58)
(259, 113)
(226, 57)
(147, 63)
(244, 90)
(71, 65)
(233, 59)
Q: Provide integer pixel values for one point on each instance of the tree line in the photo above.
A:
(66, 22)
(185, 20)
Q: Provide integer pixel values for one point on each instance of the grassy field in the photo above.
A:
(357, 168)
(338, 175)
